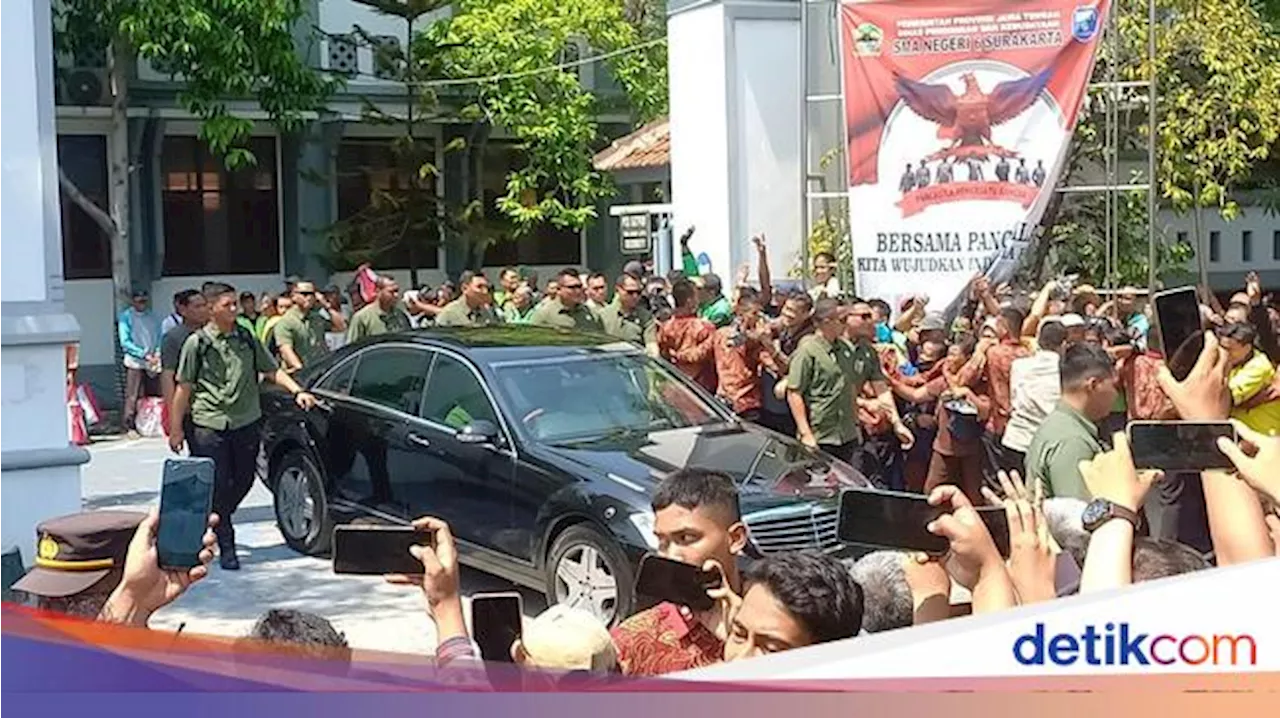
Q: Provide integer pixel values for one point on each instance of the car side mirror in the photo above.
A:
(480, 431)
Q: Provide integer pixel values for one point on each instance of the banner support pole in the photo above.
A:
(1151, 146)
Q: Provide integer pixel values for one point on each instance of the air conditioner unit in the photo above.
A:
(85, 86)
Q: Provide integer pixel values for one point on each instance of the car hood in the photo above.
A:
(769, 469)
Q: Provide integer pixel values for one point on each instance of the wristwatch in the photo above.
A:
(1100, 511)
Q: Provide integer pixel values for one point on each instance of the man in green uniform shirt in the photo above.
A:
(473, 309)
(383, 315)
(1069, 434)
(299, 335)
(712, 304)
(568, 310)
(217, 381)
(629, 318)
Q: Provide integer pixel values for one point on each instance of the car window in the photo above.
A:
(392, 377)
(339, 380)
(455, 397)
(581, 398)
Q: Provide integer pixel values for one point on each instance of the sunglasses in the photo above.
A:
(630, 292)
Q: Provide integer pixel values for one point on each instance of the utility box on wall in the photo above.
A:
(736, 109)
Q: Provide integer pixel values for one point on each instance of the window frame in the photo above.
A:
(1215, 246)
(387, 348)
(504, 433)
(68, 208)
(360, 134)
(183, 133)
(1246, 246)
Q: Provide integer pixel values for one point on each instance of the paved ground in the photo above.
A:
(374, 615)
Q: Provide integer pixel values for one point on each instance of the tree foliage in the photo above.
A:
(224, 50)
(526, 50)
(1217, 66)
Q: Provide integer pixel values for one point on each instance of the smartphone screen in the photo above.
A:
(1181, 331)
(1179, 445)
(899, 521)
(186, 498)
(680, 583)
(889, 519)
(496, 620)
(375, 550)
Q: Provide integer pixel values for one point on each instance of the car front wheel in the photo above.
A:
(301, 504)
(588, 570)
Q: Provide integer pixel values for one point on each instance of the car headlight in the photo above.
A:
(644, 524)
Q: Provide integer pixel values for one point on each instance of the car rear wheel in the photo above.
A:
(302, 507)
(587, 570)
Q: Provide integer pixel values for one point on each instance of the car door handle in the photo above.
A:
(419, 440)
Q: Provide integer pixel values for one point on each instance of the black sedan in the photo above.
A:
(539, 447)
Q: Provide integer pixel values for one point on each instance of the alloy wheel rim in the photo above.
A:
(297, 507)
(584, 580)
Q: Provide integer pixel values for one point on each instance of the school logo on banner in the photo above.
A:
(959, 116)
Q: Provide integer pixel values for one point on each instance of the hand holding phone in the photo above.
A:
(1181, 328)
(677, 582)
(372, 550)
(186, 500)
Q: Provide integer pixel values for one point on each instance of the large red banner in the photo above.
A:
(959, 114)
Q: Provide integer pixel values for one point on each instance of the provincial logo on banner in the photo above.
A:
(959, 116)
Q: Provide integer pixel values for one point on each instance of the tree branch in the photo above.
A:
(101, 218)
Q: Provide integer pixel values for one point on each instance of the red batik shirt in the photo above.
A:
(738, 369)
(687, 342)
(997, 375)
(1145, 399)
(665, 639)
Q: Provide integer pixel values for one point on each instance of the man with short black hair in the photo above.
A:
(740, 351)
(568, 309)
(697, 520)
(139, 335)
(820, 385)
(686, 339)
(508, 281)
(713, 306)
(628, 317)
(1069, 434)
(219, 368)
(301, 634)
(194, 309)
(793, 600)
(474, 308)
(384, 315)
(597, 291)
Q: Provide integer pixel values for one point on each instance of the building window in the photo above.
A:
(1246, 246)
(543, 245)
(1275, 245)
(371, 185)
(218, 221)
(86, 249)
(1215, 246)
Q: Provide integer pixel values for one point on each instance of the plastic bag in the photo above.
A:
(150, 419)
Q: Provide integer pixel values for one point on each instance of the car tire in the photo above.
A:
(577, 566)
(302, 504)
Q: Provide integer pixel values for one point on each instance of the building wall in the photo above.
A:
(1228, 268)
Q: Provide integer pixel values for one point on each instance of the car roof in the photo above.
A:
(512, 342)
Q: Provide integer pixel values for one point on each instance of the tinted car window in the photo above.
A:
(392, 377)
(581, 398)
(455, 397)
(339, 380)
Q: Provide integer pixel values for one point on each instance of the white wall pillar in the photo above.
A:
(735, 128)
(39, 468)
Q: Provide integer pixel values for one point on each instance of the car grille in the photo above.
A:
(794, 529)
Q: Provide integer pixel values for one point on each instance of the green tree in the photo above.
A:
(1217, 65)
(224, 50)
(525, 52)
(407, 214)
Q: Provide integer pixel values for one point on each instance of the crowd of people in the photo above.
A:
(1039, 386)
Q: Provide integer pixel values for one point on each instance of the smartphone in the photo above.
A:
(1179, 445)
(1181, 329)
(898, 521)
(371, 549)
(680, 583)
(496, 620)
(186, 499)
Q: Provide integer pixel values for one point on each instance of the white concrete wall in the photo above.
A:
(90, 302)
(700, 131)
(765, 149)
(1230, 258)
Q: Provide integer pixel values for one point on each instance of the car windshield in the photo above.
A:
(605, 395)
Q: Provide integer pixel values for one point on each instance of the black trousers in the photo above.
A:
(781, 423)
(881, 460)
(235, 456)
(1175, 510)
